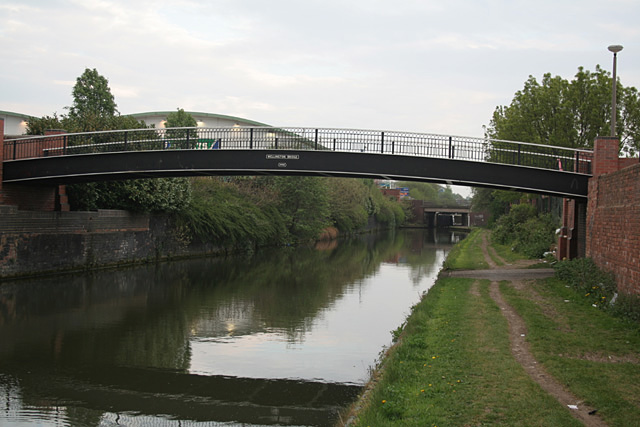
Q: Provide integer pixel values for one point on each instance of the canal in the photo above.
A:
(282, 337)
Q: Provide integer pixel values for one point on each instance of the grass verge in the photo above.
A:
(592, 353)
(467, 255)
(453, 366)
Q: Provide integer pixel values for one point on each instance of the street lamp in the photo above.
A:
(615, 48)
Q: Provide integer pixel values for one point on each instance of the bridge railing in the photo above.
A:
(283, 138)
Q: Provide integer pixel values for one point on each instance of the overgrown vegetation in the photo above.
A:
(527, 232)
(598, 287)
(281, 210)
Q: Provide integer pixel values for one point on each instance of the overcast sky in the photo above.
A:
(413, 65)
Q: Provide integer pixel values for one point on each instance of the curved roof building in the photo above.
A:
(15, 124)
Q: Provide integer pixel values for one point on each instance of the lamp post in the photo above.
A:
(615, 48)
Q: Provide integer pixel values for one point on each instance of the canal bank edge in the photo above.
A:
(41, 243)
(403, 391)
(35, 243)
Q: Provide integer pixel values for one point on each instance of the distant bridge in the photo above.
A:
(148, 153)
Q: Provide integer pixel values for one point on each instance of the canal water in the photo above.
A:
(282, 337)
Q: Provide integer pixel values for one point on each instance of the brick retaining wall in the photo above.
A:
(613, 225)
(46, 242)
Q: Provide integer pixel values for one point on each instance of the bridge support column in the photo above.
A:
(29, 197)
(572, 241)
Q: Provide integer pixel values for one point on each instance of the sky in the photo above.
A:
(408, 65)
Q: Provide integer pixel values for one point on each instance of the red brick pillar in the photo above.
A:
(605, 155)
(1, 157)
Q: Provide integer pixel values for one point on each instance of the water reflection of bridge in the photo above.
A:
(145, 393)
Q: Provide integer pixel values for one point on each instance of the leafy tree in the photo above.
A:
(38, 125)
(569, 113)
(93, 104)
(180, 119)
(348, 207)
(304, 205)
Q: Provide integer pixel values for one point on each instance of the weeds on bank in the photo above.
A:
(598, 287)
(592, 353)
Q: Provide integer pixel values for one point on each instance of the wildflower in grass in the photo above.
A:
(587, 294)
(384, 401)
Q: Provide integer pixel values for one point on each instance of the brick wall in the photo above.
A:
(1, 157)
(30, 198)
(46, 242)
(613, 225)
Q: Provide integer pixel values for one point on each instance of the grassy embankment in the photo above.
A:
(453, 365)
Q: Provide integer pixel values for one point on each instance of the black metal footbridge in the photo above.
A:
(149, 153)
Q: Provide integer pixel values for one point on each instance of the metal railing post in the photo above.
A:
(316, 139)
(334, 144)
(188, 143)
(126, 143)
(382, 143)
(577, 167)
(450, 145)
(251, 139)
(14, 149)
(519, 147)
(393, 147)
(276, 142)
(64, 145)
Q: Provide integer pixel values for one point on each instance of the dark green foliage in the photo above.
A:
(304, 205)
(349, 199)
(569, 113)
(38, 125)
(221, 213)
(180, 119)
(598, 287)
(139, 195)
(525, 231)
(93, 104)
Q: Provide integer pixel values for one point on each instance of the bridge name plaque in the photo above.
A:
(283, 157)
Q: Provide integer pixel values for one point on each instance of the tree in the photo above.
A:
(93, 104)
(38, 125)
(180, 119)
(304, 205)
(569, 114)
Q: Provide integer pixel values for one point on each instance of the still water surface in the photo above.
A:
(283, 337)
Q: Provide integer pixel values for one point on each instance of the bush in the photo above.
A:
(525, 231)
(598, 287)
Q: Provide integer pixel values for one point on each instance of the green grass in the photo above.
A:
(453, 366)
(467, 255)
(506, 252)
(567, 336)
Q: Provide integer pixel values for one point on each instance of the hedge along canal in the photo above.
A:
(454, 362)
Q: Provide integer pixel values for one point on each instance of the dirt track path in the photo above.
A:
(518, 331)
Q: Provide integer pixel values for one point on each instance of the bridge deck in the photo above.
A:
(143, 153)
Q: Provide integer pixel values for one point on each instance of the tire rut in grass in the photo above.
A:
(522, 353)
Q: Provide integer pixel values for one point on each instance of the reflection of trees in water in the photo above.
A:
(145, 316)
